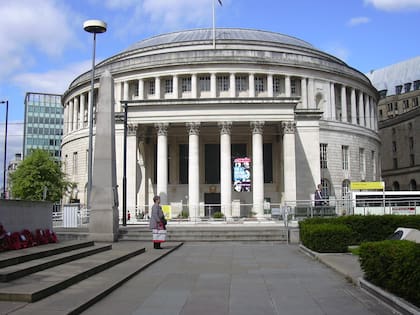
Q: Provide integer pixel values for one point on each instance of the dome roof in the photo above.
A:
(221, 34)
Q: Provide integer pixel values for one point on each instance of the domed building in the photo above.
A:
(252, 123)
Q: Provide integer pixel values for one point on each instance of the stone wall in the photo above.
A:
(16, 215)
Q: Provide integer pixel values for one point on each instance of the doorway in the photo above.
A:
(211, 204)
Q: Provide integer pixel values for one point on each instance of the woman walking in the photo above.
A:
(157, 223)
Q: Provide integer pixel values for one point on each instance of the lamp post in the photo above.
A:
(5, 148)
(94, 27)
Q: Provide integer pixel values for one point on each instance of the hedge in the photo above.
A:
(368, 228)
(393, 266)
(326, 237)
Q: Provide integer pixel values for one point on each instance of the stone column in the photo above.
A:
(141, 89)
(304, 93)
(143, 182)
(225, 168)
(361, 109)
(289, 161)
(353, 106)
(366, 111)
(258, 168)
(162, 162)
(194, 85)
(75, 113)
(332, 102)
(232, 85)
(126, 97)
(157, 91)
(132, 155)
(175, 87)
(118, 97)
(213, 87)
(82, 111)
(251, 85)
(311, 93)
(193, 170)
(287, 85)
(270, 92)
(65, 118)
(71, 116)
(103, 225)
(343, 104)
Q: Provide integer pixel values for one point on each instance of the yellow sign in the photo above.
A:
(167, 211)
(366, 185)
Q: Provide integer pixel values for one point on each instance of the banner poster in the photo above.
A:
(242, 174)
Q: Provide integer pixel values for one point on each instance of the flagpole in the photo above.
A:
(214, 26)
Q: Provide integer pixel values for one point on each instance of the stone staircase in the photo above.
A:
(68, 277)
(211, 233)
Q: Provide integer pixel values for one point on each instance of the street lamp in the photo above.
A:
(94, 27)
(5, 149)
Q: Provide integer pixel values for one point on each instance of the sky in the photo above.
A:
(44, 47)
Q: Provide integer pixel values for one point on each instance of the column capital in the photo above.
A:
(162, 129)
(132, 129)
(225, 127)
(193, 128)
(288, 126)
(257, 126)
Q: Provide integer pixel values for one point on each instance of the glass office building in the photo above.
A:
(43, 123)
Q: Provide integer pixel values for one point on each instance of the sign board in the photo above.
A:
(242, 174)
(403, 210)
(367, 185)
(167, 211)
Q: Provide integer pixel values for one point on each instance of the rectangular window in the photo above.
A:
(323, 155)
(212, 163)
(395, 163)
(241, 83)
(407, 87)
(411, 144)
(259, 84)
(75, 162)
(169, 85)
(412, 160)
(398, 89)
(151, 87)
(394, 146)
(416, 85)
(186, 84)
(276, 84)
(405, 104)
(373, 155)
(268, 162)
(183, 163)
(362, 160)
(415, 102)
(293, 87)
(223, 83)
(345, 157)
(204, 83)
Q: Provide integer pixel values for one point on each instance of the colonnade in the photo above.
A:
(256, 128)
(338, 102)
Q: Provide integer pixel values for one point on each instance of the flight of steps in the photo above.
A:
(210, 233)
(68, 277)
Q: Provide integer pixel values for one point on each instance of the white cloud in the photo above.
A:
(395, 5)
(54, 81)
(358, 20)
(32, 27)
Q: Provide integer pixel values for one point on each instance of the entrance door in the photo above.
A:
(212, 203)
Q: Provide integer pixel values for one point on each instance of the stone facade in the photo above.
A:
(270, 97)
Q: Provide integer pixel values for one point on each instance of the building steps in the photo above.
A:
(210, 233)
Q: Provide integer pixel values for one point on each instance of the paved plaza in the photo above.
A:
(238, 279)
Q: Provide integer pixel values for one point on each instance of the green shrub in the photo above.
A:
(183, 215)
(218, 215)
(393, 266)
(326, 237)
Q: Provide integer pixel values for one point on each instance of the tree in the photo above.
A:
(36, 174)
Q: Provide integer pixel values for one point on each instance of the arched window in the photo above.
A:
(395, 186)
(413, 185)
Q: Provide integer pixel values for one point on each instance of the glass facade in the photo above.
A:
(43, 126)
